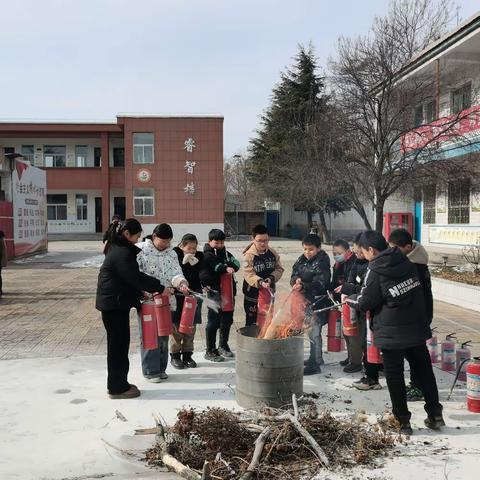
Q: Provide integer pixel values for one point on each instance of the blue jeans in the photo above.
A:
(154, 362)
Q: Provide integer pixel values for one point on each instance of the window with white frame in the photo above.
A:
(81, 201)
(28, 153)
(55, 155)
(424, 113)
(81, 154)
(143, 202)
(56, 207)
(462, 98)
(143, 148)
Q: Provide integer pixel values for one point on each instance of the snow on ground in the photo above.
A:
(95, 261)
(70, 428)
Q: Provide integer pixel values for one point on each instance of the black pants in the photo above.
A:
(419, 361)
(251, 308)
(1, 281)
(117, 325)
(218, 321)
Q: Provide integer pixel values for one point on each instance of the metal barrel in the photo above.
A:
(268, 372)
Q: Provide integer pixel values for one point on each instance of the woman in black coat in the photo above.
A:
(120, 286)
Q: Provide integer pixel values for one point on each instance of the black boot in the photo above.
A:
(176, 361)
(312, 369)
(188, 361)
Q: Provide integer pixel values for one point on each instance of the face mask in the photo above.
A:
(339, 258)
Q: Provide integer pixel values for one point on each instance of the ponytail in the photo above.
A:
(116, 229)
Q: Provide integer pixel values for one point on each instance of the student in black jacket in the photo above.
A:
(415, 252)
(311, 277)
(191, 261)
(120, 285)
(357, 346)
(393, 295)
(217, 261)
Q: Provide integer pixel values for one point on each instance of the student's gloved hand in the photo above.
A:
(189, 258)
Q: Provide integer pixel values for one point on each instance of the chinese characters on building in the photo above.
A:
(30, 217)
(189, 167)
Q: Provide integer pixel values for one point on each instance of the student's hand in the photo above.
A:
(297, 286)
(265, 283)
(169, 291)
(230, 270)
(183, 287)
(338, 289)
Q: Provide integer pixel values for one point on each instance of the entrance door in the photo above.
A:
(98, 214)
(119, 207)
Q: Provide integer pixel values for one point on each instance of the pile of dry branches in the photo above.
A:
(219, 444)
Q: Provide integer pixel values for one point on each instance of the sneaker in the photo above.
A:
(435, 423)
(130, 393)
(156, 379)
(414, 394)
(163, 376)
(312, 369)
(406, 429)
(352, 368)
(226, 352)
(188, 361)
(176, 361)
(366, 383)
(345, 362)
(214, 356)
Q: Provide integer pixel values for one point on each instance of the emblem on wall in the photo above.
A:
(144, 175)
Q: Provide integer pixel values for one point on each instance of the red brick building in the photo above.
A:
(154, 168)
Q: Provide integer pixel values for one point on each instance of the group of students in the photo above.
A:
(389, 280)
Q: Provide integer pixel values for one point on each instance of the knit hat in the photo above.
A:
(163, 231)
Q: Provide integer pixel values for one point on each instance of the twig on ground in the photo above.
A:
(259, 444)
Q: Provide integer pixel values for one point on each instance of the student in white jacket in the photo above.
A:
(158, 260)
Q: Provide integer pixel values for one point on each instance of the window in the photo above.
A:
(81, 201)
(143, 199)
(429, 203)
(97, 157)
(143, 148)
(28, 153)
(81, 154)
(462, 98)
(56, 207)
(424, 113)
(55, 155)
(459, 201)
(118, 157)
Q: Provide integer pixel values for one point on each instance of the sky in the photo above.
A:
(93, 59)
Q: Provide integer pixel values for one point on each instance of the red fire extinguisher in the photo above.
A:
(463, 354)
(350, 328)
(149, 326)
(187, 320)
(473, 385)
(334, 332)
(163, 314)
(432, 345)
(448, 353)
(226, 292)
(264, 306)
(374, 355)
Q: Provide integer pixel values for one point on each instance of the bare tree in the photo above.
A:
(377, 105)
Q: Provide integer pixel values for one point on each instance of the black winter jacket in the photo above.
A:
(355, 277)
(314, 274)
(215, 262)
(120, 281)
(192, 274)
(393, 295)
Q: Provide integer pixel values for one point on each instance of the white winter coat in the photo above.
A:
(162, 265)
